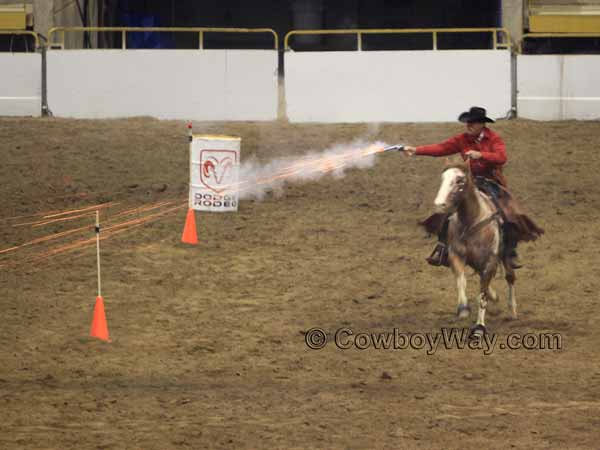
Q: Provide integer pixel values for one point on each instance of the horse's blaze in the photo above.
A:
(448, 183)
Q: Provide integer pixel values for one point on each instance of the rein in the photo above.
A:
(476, 227)
(473, 228)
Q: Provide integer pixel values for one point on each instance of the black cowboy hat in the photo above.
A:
(475, 114)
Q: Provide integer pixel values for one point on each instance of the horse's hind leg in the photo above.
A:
(458, 268)
(510, 279)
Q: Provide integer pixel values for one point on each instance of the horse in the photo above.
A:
(474, 240)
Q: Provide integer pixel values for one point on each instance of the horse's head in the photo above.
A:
(455, 179)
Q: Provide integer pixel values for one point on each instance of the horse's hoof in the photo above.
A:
(478, 331)
(463, 311)
(513, 313)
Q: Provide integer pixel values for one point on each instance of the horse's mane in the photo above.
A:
(462, 165)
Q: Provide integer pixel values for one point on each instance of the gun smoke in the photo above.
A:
(256, 180)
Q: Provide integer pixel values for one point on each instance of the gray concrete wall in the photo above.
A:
(513, 15)
(43, 16)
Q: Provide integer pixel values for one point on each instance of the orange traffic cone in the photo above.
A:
(99, 328)
(189, 231)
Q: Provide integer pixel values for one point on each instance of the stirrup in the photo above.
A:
(439, 256)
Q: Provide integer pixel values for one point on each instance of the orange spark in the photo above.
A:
(87, 208)
(45, 239)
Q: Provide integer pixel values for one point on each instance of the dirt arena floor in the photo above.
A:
(208, 342)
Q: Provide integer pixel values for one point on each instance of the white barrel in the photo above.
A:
(214, 173)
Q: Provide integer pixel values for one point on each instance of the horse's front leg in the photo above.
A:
(485, 278)
(458, 268)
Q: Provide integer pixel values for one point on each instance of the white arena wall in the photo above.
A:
(368, 86)
(167, 84)
(20, 84)
(558, 87)
(395, 86)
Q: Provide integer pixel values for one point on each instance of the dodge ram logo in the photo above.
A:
(218, 169)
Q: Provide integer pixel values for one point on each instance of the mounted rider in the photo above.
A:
(486, 153)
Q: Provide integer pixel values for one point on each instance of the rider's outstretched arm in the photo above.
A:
(448, 147)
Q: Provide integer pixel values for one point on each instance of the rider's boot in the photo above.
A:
(439, 256)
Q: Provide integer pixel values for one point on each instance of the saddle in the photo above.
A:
(491, 190)
(517, 225)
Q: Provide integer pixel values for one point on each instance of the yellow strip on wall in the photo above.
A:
(564, 24)
(13, 20)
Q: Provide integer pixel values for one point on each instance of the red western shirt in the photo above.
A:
(489, 144)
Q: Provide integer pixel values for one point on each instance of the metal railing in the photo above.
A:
(124, 30)
(497, 33)
(23, 32)
(554, 35)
